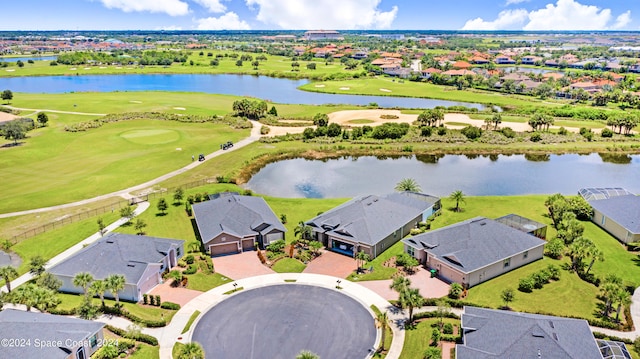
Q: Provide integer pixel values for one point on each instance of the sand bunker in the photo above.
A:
(385, 90)
(132, 101)
(7, 116)
(345, 88)
(179, 108)
(73, 69)
(10, 70)
(319, 86)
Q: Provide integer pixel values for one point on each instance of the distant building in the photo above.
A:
(316, 35)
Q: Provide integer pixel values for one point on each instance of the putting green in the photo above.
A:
(151, 136)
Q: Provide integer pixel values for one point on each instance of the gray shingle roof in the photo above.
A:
(41, 327)
(490, 334)
(117, 253)
(372, 218)
(237, 215)
(474, 244)
(625, 210)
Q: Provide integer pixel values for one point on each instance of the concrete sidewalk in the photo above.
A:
(69, 252)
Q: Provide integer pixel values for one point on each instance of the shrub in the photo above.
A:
(390, 130)
(554, 272)
(442, 131)
(170, 305)
(158, 301)
(145, 298)
(144, 338)
(526, 285)
(152, 300)
(554, 248)
(540, 278)
(472, 132)
(535, 137)
(607, 133)
(276, 246)
(508, 132)
(426, 131)
(188, 209)
(455, 291)
(191, 270)
(563, 131)
(189, 259)
(447, 329)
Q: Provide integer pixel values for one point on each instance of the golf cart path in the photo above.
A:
(36, 110)
(125, 193)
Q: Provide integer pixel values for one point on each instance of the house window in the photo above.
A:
(525, 255)
(507, 262)
(178, 251)
(604, 219)
(411, 251)
(93, 341)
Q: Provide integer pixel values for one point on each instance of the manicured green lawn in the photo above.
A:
(418, 339)
(379, 271)
(372, 86)
(101, 160)
(288, 265)
(205, 282)
(145, 312)
(388, 339)
(146, 351)
(618, 260)
(192, 318)
(54, 242)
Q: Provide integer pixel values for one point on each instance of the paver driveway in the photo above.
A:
(168, 293)
(241, 265)
(333, 264)
(421, 279)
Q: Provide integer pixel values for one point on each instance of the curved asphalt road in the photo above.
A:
(279, 321)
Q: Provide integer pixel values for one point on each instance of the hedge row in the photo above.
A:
(144, 338)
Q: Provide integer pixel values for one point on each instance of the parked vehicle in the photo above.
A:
(226, 145)
(201, 157)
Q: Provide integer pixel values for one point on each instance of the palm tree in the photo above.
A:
(176, 275)
(115, 283)
(44, 299)
(411, 298)
(24, 294)
(383, 322)
(457, 196)
(608, 289)
(98, 288)
(191, 351)
(36, 266)
(83, 280)
(306, 354)
(408, 185)
(400, 283)
(303, 231)
(362, 258)
(595, 254)
(623, 298)
(8, 273)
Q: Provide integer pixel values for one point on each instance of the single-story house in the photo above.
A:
(41, 335)
(372, 223)
(230, 223)
(616, 210)
(140, 259)
(475, 250)
(490, 334)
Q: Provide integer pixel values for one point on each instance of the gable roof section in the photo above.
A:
(117, 253)
(474, 244)
(370, 219)
(240, 216)
(490, 333)
(42, 327)
(624, 210)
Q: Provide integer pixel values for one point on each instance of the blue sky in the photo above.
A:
(320, 14)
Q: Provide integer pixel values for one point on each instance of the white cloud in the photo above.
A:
(563, 15)
(228, 21)
(214, 6)
(623, 20)
(507, 20)
(324, 14)
(170, 7)
(511, 2)
(568, 15)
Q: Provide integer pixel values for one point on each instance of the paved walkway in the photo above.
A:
(172, 332)
(69, 252)
(333, 264)
(125, 193)
(241, 265)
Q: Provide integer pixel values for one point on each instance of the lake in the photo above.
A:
(277, 90)
(25, 59)
(440, 175)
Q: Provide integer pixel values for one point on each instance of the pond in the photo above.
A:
(477, 175)
(268, 88)
(25, 59)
